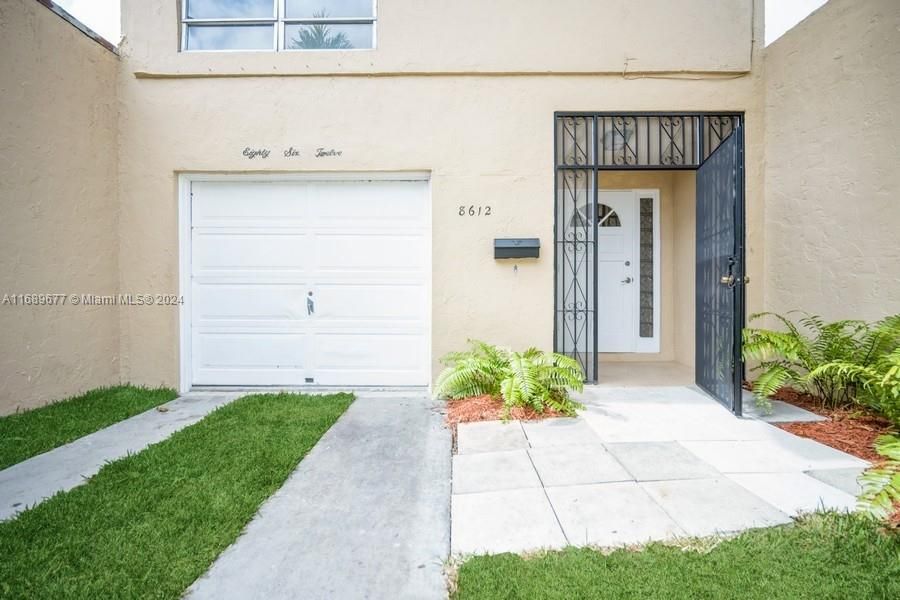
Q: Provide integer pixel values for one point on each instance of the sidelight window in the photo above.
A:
(223, 25)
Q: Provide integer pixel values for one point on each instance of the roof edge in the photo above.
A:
(87, 31)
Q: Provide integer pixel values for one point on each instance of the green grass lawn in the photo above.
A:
(148, 525)
(830, 556)
(29, 433)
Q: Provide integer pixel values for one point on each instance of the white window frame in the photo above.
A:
(279, 20)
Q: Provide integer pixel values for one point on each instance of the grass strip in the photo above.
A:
(148, 525)
(29, 433)
(827, 556)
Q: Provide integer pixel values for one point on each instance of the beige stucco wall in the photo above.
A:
(685, 190)
(58, 213)
(832, 178)
(499, 36)
(485, 139)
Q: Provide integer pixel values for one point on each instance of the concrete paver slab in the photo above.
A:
(489, 436)
(846, 480)
(781, 412)
(492, 471)
(709, 506)
(559, 432)
(653, 461)
(782, 452)
(795, 493)
(505, 521)
(577, 465)
(610, 514)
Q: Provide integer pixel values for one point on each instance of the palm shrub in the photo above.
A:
(839, 362)
(881, 484)
(532, 379)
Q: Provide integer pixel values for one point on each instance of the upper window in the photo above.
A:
(278, 24)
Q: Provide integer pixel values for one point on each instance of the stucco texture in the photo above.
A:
(474, 36)
(832, 183)
(58, 231)
(486, 139)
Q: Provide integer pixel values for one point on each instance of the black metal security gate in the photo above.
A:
(587, 143)
(720, 273)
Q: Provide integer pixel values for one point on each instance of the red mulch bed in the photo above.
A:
(487, 408)
(853, 431)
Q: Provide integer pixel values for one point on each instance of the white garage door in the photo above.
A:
(310, 283)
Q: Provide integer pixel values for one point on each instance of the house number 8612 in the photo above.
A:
(475, 211)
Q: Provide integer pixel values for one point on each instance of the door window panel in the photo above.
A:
(646, 268)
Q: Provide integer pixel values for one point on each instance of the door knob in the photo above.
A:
(727, 280)
(627, 280)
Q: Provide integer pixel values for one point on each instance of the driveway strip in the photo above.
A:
(365, 515)
(36, 479)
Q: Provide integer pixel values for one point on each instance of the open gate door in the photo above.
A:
(720, 272)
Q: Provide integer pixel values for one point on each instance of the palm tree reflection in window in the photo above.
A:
(319, 36)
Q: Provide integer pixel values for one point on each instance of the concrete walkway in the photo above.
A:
(365, 515)
(32, 481)
(636, 465)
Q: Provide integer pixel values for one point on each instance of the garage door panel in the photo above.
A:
(261, 253)
(252, 358)
(373, 204)
(249, 204)
(350, 351)
(224, 303)
(381, 303)
(370, 252)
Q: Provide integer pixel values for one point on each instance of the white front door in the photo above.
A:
(310, 282)
(616, 271)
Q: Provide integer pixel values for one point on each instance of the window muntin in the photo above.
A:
(228, 25)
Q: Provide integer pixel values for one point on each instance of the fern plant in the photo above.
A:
(532, 379)
(877, 384)
(832, 361)
(881, 484)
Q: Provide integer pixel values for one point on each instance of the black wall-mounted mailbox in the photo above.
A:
(517, 248)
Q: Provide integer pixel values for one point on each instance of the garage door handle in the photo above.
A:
(310, 304)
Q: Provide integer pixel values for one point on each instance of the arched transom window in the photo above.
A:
(606, 217)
